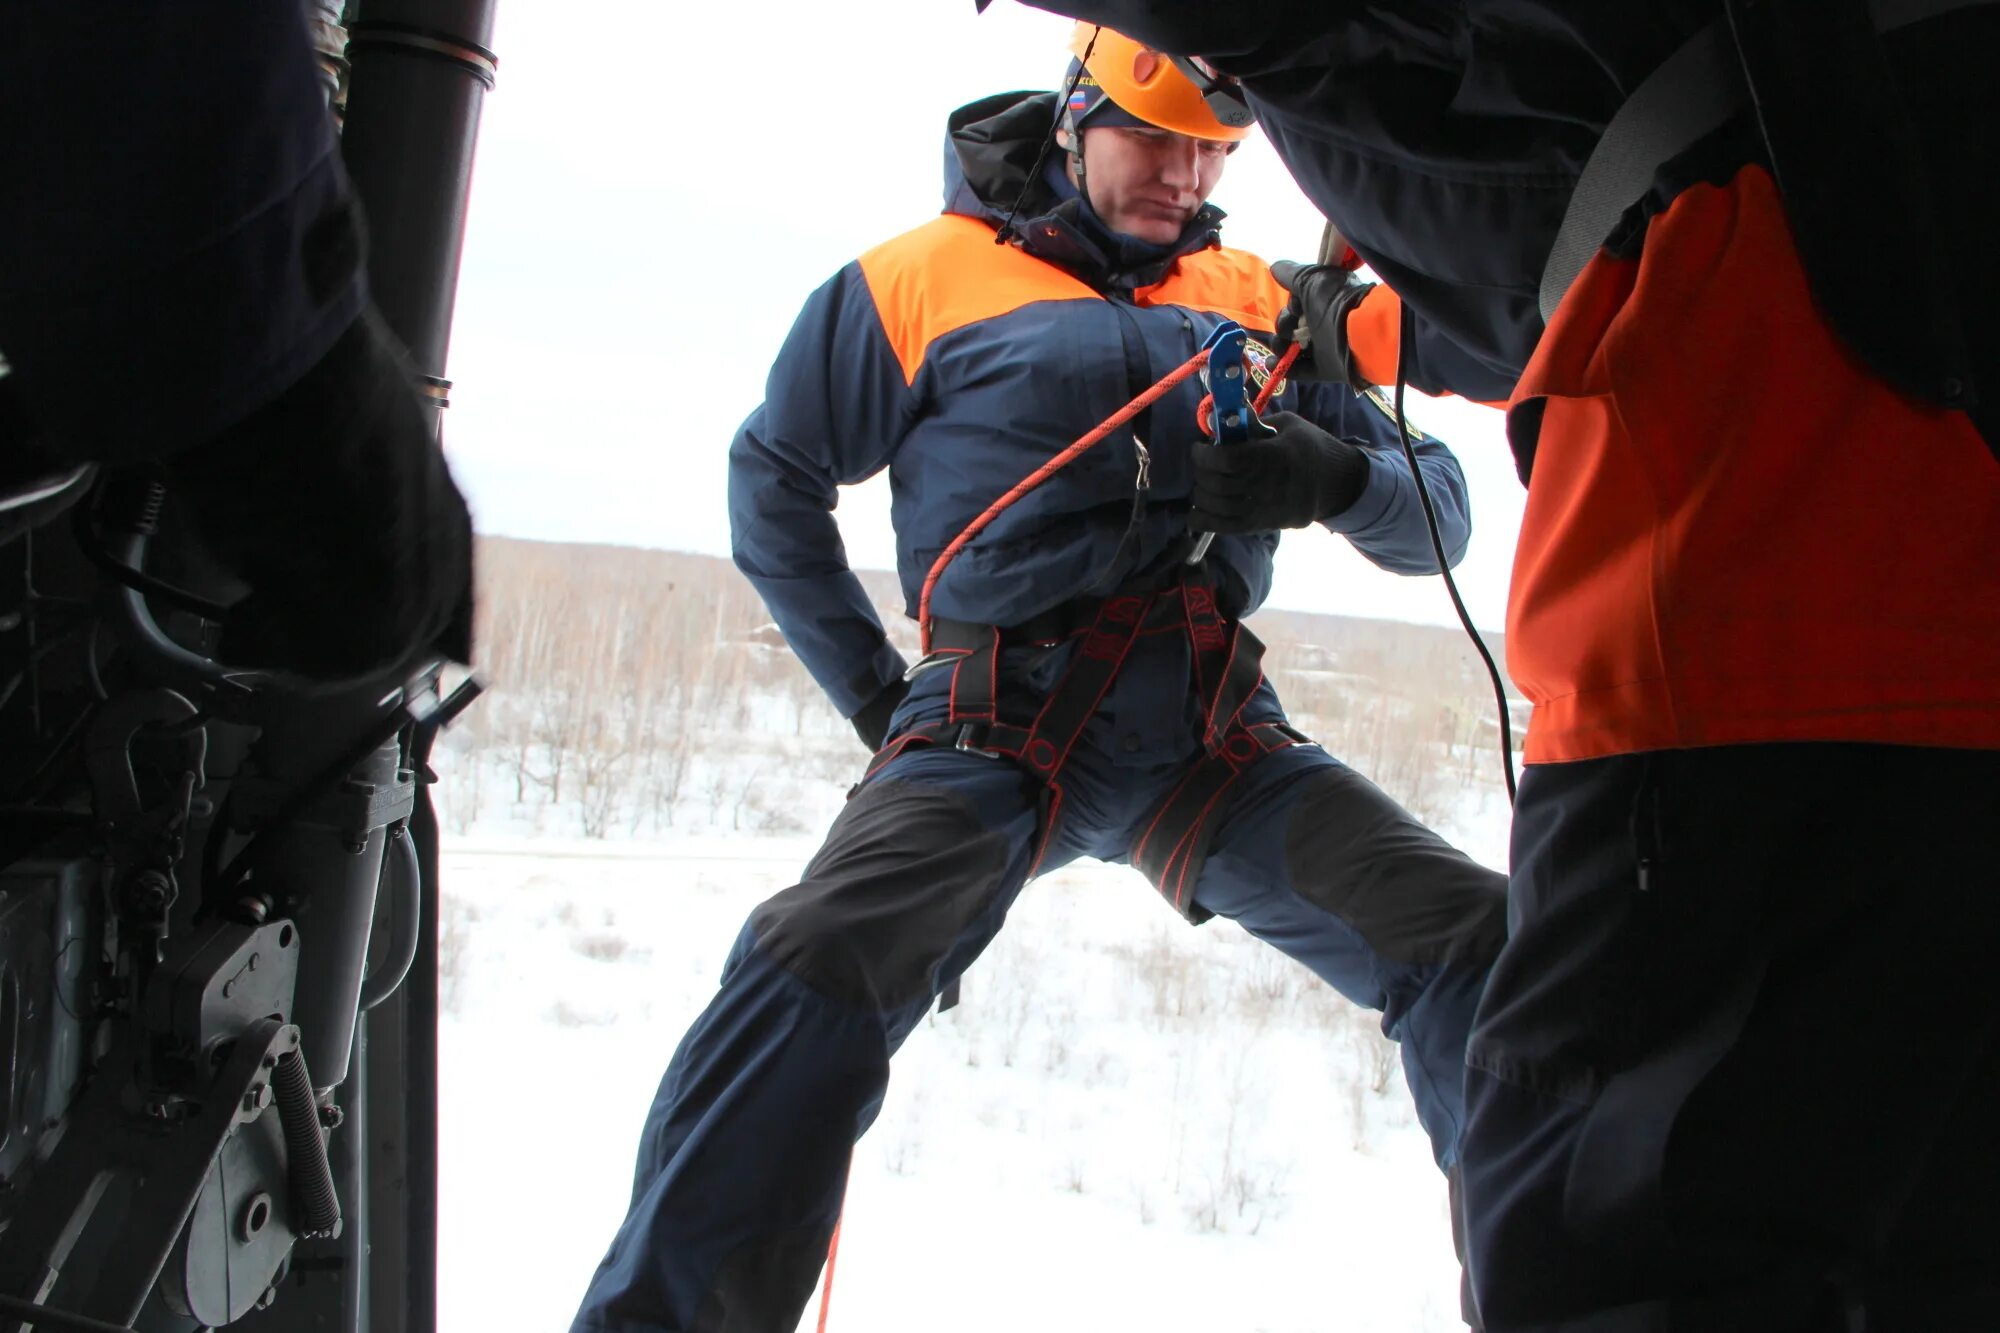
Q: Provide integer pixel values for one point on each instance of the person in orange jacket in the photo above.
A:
(1737, 1065)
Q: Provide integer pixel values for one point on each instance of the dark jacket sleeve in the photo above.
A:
(1386, 523)
(834, 410)
(1190, 27)
(1447, 320)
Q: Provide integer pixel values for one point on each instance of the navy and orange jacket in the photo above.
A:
(961, 366)
(1736, 531)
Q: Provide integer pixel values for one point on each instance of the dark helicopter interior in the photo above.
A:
(218, 907)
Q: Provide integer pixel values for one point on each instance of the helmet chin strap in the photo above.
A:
(1076, 155)
(1064, 121)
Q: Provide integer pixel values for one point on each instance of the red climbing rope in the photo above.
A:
(832, 1253)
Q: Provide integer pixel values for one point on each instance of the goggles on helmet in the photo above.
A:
(1222, 92)
(1165, 91)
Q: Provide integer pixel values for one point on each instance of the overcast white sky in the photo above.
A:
(658, 188)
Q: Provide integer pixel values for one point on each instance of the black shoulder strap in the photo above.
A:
(1691, 94)
(1697, 89)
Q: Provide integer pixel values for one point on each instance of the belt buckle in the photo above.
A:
(966, 736)
(944, 657)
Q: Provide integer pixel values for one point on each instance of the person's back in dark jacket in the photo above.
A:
(1753, 606)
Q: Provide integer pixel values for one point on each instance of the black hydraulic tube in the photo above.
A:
(419, 1001)
(419, 71)
(324, 863)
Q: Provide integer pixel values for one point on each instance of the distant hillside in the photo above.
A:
(620, 671)
(512, 568)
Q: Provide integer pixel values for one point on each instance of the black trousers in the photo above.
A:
(1738, 1066)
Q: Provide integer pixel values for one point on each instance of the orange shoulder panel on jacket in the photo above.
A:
(948, 274)
(1232, 283)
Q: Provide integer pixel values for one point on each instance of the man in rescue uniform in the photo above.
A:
(1739, 1063)
(184, 285)
(1089, 691)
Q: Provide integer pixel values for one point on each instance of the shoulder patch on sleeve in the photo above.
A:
(1380, 402)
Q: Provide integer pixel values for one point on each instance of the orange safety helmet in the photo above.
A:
(1158, 88)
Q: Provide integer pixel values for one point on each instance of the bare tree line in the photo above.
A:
(627, 685)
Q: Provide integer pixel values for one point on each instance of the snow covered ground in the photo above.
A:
(1128, 1124)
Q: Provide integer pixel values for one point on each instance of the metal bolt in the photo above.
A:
(331, 1116)
(151, 890)
(256, 1098)
(255, 1214)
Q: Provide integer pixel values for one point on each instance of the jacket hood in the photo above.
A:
(990, 148)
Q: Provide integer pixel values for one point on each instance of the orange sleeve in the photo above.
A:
(1374, 339)
(1374, 335)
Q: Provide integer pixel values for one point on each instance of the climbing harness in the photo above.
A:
(1181, 600)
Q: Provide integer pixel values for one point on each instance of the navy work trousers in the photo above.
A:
(743, 1160)
(1738, 1066)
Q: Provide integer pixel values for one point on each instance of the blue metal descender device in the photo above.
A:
(1232, 419)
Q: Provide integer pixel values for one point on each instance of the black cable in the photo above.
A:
(1006, 232)
(92, 542)
(1405, 344)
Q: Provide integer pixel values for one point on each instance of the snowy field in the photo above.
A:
(1128, 1124)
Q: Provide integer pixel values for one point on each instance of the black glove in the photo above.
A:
(1322, 296)
(871, 724)
(1288, 480)
(333, 502)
